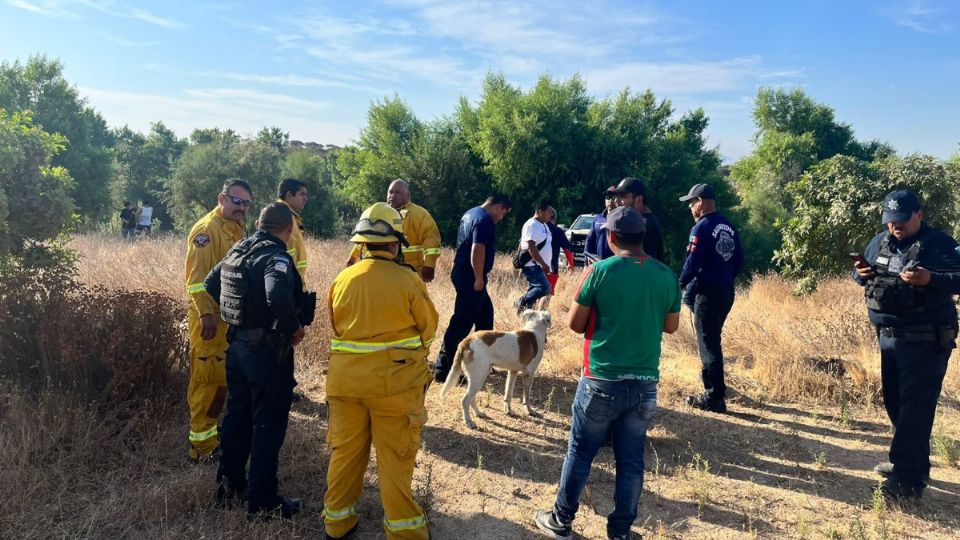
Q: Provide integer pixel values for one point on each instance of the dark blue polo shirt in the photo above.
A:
(476, 227)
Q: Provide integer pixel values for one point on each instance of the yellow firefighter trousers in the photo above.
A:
(393, 424)
(207, 391)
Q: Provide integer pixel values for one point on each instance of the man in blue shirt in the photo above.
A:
(595, 248)
(476, 248)
(714, 258)
(910, 273)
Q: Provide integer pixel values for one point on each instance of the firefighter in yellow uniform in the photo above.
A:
(383, 323)
(419, 228)
(293, 193)
(209, 240)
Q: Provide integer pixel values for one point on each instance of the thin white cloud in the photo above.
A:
(920, 15)
(241, 110)
(130, 43)
(62, 8)
(682, 77)
(47, 8)
(292, 80)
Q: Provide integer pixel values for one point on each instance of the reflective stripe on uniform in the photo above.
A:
(395, 525)
(338, 515)
(194, 288)
(302, 264)
(292, 252)
(431, 251)
(412, 249)
(340, 345)
(203, 435)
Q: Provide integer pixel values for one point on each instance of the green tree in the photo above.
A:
(39, 86)
(35, 204)
(144, 165)
(321, 216)
(275, 137)
(203, 167)
(837, 209)
(794, 133)
(384, 151)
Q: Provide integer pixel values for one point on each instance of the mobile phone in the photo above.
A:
(858, 258)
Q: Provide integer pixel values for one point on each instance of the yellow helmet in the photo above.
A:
(379, 224)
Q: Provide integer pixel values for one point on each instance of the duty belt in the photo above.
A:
(910, 333)
(253, 335)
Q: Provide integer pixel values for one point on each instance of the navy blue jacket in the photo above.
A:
(941, 257)
(714, 254)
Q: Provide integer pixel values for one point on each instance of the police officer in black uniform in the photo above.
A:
(910, 273)
(261, 296)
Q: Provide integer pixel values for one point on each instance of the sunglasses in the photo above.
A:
(238, 201)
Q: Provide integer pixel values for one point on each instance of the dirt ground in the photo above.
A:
(779, 465)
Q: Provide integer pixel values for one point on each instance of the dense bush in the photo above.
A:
(119, 351)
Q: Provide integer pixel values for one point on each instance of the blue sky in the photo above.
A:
(891, 69)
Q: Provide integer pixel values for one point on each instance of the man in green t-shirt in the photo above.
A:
(624, 305)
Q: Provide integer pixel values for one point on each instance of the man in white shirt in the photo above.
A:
(535, 238)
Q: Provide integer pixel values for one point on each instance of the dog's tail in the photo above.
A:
(455, 369)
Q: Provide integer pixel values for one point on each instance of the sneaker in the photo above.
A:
(518, 306)
(885, 469)
(286, 509)
(705, 403)
(547, 523)
(350, 533)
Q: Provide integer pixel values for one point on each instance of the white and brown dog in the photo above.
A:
(518, 353)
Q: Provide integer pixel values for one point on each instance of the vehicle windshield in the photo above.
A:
(583, 222)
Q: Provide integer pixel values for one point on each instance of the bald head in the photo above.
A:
(398, 194)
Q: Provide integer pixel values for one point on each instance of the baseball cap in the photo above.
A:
(631, 185)
(625, 220)
(899, 206)
(610, 192)
(699, 191)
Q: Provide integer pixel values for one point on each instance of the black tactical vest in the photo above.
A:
(234, 281)
(887, 293)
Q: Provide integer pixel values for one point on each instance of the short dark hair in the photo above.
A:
(629, 240)
(126, 203)
(236, 182)
(275, 217)
(543, 205)
(289, 185)
(498, 198)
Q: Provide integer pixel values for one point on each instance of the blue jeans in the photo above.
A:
(625, 409)
(539, 285)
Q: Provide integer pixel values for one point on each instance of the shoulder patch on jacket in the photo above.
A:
(201, 240)
(281, 263)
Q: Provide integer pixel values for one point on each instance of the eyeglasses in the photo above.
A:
(238, 201)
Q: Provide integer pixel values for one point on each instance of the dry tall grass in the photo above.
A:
(790, 463)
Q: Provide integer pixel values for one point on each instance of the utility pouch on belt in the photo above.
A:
(308, 309)
(948, 337)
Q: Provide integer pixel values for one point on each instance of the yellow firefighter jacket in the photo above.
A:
(383, 324)
(209, 240)
(296, 246)
(421, 231)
